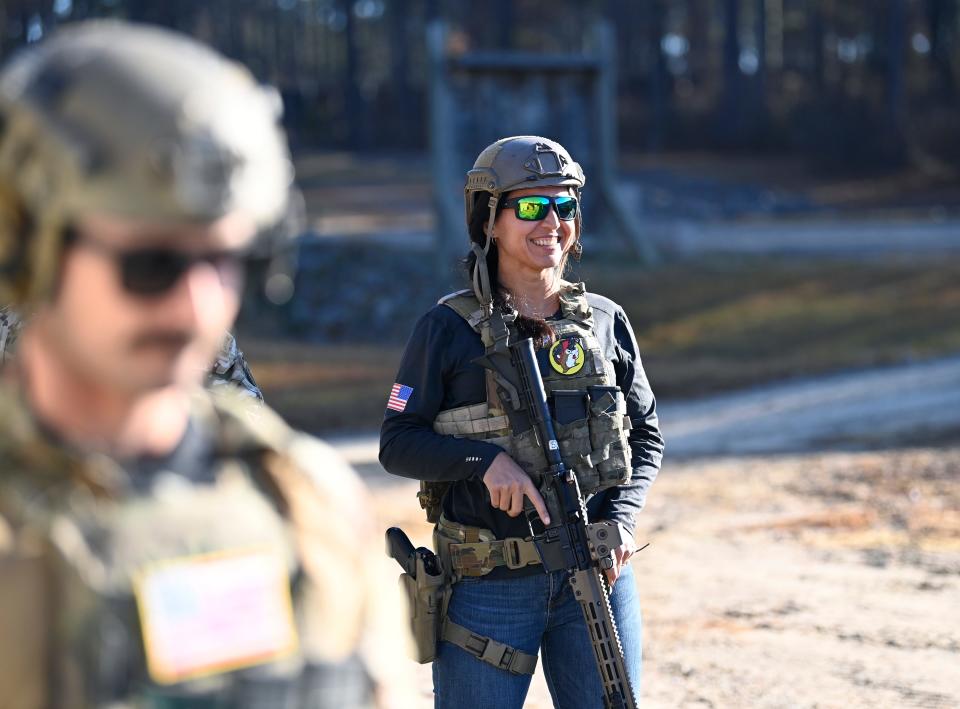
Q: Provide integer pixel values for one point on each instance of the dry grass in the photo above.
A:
(727, 323)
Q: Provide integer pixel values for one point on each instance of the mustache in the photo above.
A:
(166, 339)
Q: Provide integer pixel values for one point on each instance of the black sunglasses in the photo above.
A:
(153, 271)
(534, 207)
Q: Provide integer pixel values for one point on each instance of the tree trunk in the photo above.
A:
(732, 83)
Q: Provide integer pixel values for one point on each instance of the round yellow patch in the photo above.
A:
(567, 355)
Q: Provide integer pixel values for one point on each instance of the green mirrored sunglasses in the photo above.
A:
(534, 207)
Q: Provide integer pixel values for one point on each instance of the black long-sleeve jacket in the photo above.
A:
(437, 364)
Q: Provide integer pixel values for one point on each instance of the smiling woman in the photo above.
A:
(459, 428)
(537, 232)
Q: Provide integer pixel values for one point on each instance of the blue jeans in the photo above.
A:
(531, 613)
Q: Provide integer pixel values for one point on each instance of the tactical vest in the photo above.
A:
(589, 410)
(102, 552)
(9, 329)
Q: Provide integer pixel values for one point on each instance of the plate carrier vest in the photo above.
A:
(589, 409)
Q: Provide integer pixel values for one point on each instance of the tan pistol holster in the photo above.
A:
(427, 597)
(463, 551)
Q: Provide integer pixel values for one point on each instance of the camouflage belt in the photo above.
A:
(472, 551)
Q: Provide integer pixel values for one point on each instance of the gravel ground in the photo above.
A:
(818, 580)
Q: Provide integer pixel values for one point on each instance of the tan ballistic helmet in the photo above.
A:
(518, 162)
(132, 121)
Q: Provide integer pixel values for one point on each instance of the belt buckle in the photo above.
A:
(511, 553)
(491, 651)
(477, 644)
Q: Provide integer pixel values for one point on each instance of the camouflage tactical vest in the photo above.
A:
(106, 576)
(588, 408)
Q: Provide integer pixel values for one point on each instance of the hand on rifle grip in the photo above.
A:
(530, 512)
(511, 489)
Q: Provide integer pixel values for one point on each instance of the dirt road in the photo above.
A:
(811, 581)
(881, 407)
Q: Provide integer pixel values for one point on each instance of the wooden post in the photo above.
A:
(600, 70)
(605, 109)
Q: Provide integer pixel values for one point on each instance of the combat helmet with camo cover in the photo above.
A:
(132, 121)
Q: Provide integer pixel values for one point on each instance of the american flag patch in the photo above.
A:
(399, 396)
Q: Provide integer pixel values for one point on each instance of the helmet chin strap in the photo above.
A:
(492, 206)
(481, 276)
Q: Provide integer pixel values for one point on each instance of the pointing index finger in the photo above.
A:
(534, 495)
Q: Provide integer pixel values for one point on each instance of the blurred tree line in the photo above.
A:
(859, 83)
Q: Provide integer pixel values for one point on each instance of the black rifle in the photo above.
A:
(570, 543)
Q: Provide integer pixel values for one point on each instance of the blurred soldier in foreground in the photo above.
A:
(156, 550)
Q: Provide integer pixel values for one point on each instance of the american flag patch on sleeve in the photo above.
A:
(399, 396)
